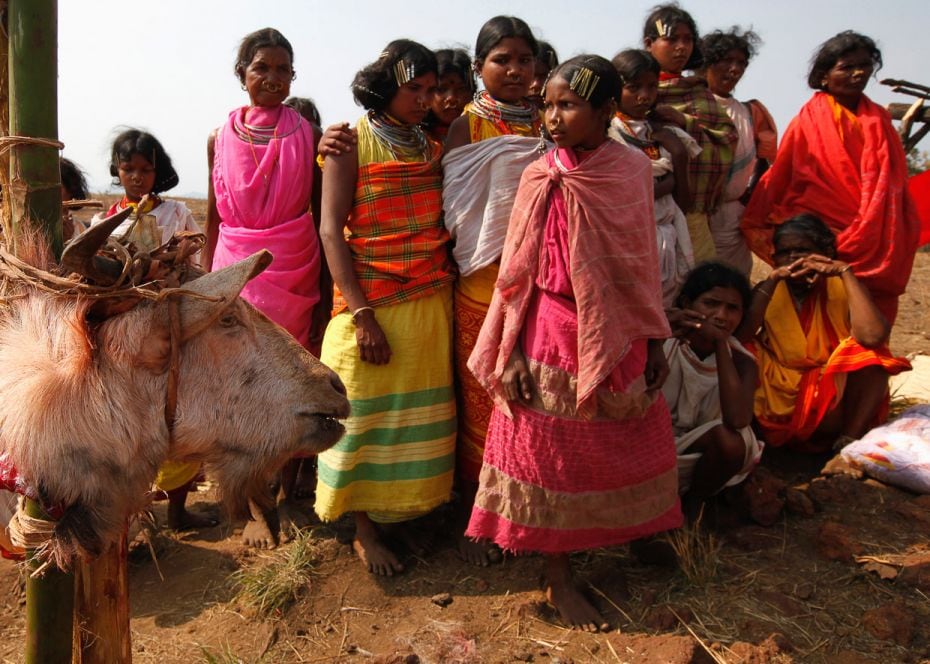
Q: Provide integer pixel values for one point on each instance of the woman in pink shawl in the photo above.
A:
(580, 452)
(261, 179)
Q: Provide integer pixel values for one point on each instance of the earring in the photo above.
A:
(242, 85)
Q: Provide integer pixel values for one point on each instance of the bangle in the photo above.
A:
(767, 294)
(845, 269)
(358, 311)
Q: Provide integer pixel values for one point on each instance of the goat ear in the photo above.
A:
(197, 314)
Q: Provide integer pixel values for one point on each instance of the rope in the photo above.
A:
(9, 142)
(29, 532)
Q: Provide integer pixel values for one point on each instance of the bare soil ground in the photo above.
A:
(841, 575)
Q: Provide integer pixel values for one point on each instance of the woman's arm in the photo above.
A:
(737, 376)
(867, 324)
(761, 296)
(211, 227)
(321, 312)
(459, 134)
(681, 192)
(338, 192)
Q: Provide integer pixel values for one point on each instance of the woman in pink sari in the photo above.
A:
(261, 180)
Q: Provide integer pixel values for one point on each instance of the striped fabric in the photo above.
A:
(396, 460)
(395, 234)
(803, 358)
(708, 123)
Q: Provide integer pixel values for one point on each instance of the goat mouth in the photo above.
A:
(328, 426)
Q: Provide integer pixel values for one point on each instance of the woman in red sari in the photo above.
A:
(842, 160)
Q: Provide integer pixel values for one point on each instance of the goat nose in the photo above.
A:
(336, 382)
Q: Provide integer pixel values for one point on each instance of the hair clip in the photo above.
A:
(663, 29)
(584, 82)
(404, 73)
(384, 54)
(369, 91)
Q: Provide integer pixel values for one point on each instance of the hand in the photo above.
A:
(516, 379)
(372, 343)
(817, 264)
(668, 115)
(779, 274)
(668, 140)
(684, 321)
(656, 366)
(337, 139)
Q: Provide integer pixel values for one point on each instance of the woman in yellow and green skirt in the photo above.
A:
(390, 339)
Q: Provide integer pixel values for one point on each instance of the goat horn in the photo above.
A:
(80, 254)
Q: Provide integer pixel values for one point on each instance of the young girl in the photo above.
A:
(821, 344)
(456, 88)
(670, 150)
(726, 56)
(390, 336)
(140, 165)
(670, 34)
(260, 190)
(487, 149)
(143, 168)
(580, 452)
(710, 384)
(546, 60)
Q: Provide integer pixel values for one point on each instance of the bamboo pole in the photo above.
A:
(33, 195)
(35, 181)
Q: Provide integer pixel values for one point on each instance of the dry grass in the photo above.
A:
(226, 656)
(272, 587)
(698, 552)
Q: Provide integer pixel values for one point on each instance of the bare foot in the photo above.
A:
(481, 553)
(260, 529)
(574, 608)
(377, 557)
(292, 519)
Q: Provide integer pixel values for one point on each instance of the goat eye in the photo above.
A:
(229, 320)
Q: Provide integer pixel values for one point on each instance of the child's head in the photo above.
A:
(73, 182)
(546, 60)
(580, 99)
(307, 109)
(720, 292)
(265, 67)
(401, 82)
(726, 56)
(456, 86)
(671, 35)
(639, 72)
(505, 55)
(843, 64)
(140, 164)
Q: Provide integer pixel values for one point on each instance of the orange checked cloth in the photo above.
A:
(803, 361)
(395, 234)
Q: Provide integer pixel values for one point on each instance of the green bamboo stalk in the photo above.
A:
(35, 180)
(34, 197)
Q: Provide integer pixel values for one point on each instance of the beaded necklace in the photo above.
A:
(406, 142)
(501, 114)
(650, 147)
(261, 135)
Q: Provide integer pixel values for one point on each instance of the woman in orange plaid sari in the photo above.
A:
(821, 344)
(390, 339)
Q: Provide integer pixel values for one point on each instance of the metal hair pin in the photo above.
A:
(403, 72)
(584, 82)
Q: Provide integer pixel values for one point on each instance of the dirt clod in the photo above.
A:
(890, 622)
(837, 542)
(441, 599)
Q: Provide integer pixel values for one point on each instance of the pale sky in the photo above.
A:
(167, 65)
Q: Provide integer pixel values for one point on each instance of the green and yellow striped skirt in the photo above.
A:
(396, 459)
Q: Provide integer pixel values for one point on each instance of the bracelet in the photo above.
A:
(358, 311)
(845, 269)
(767, 294)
